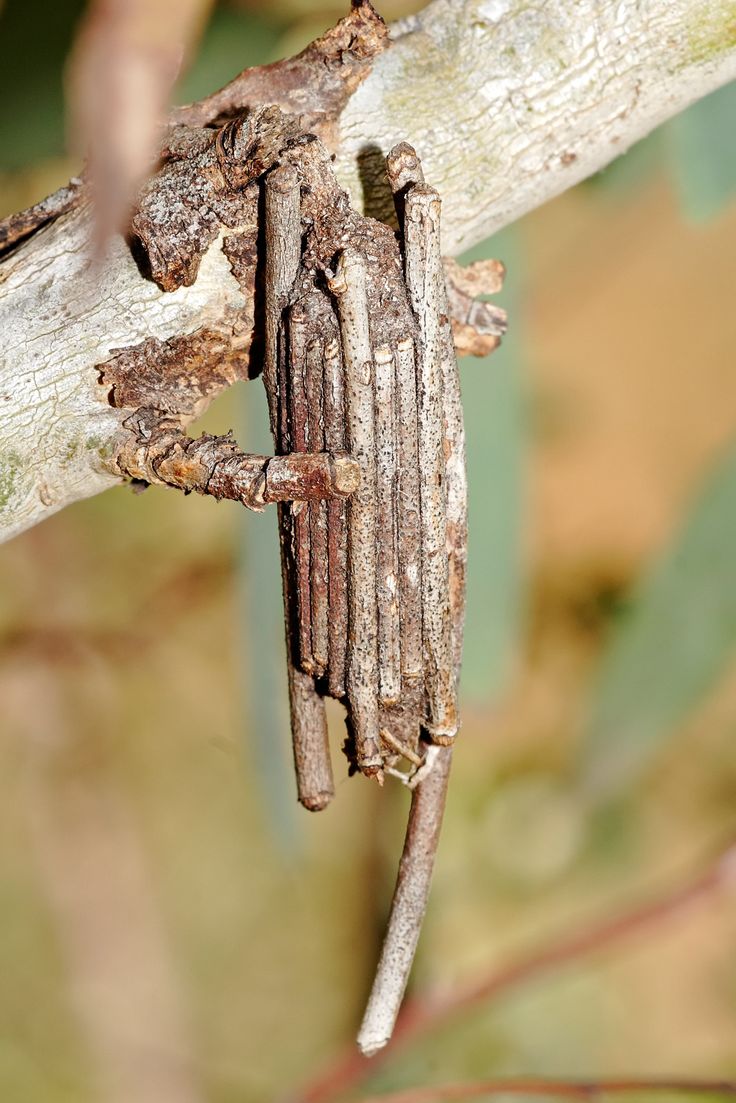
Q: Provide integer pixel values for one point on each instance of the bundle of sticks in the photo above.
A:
(359, 361)
(367, 581)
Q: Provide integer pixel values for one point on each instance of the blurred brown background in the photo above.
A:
(172, 926)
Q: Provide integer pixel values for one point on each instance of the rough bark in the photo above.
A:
(349, 301)
(534, 98)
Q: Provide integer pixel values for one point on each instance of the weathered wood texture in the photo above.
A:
(355, 355)
(533, 99)
(360, 352)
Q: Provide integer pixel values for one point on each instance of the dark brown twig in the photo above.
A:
(312, 765)
(317, 513)
(334, 414)
(299, 428)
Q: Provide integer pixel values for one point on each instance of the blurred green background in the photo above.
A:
(172, 926)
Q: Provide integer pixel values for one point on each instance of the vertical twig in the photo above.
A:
(424, 278)
(334, 421)
(348, 284)
(387, 573)
(410, 564)
(409, 904)
(299, 426)
(283, 253)
(318, 569)
(404, 169)
(312, 764)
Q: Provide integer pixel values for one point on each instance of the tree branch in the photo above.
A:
(590, 1090)
(510, 103)
(533, 99)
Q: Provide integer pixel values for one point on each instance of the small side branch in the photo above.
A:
(158, 451)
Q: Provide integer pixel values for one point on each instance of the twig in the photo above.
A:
(387, 576)
(298, 407)
(408, 906)
(317, 513)
(424, 280)
(558, 1089)
(158, 451)
(424, 1013)
(283, 254)
(348, 285)
(334, 415)
(409, 523)
(312, 765)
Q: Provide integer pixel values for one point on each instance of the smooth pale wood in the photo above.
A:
(510, 103)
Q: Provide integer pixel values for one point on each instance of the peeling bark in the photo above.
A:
(315, 85)
(533, 100)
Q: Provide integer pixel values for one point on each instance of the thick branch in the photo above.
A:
(510, 103)
(533, 99)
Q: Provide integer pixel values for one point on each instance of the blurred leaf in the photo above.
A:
(232, 41)
(125, 60)
(674, 644)
(632, 169)
(35, 38)
(703, 154)
(494, 433)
